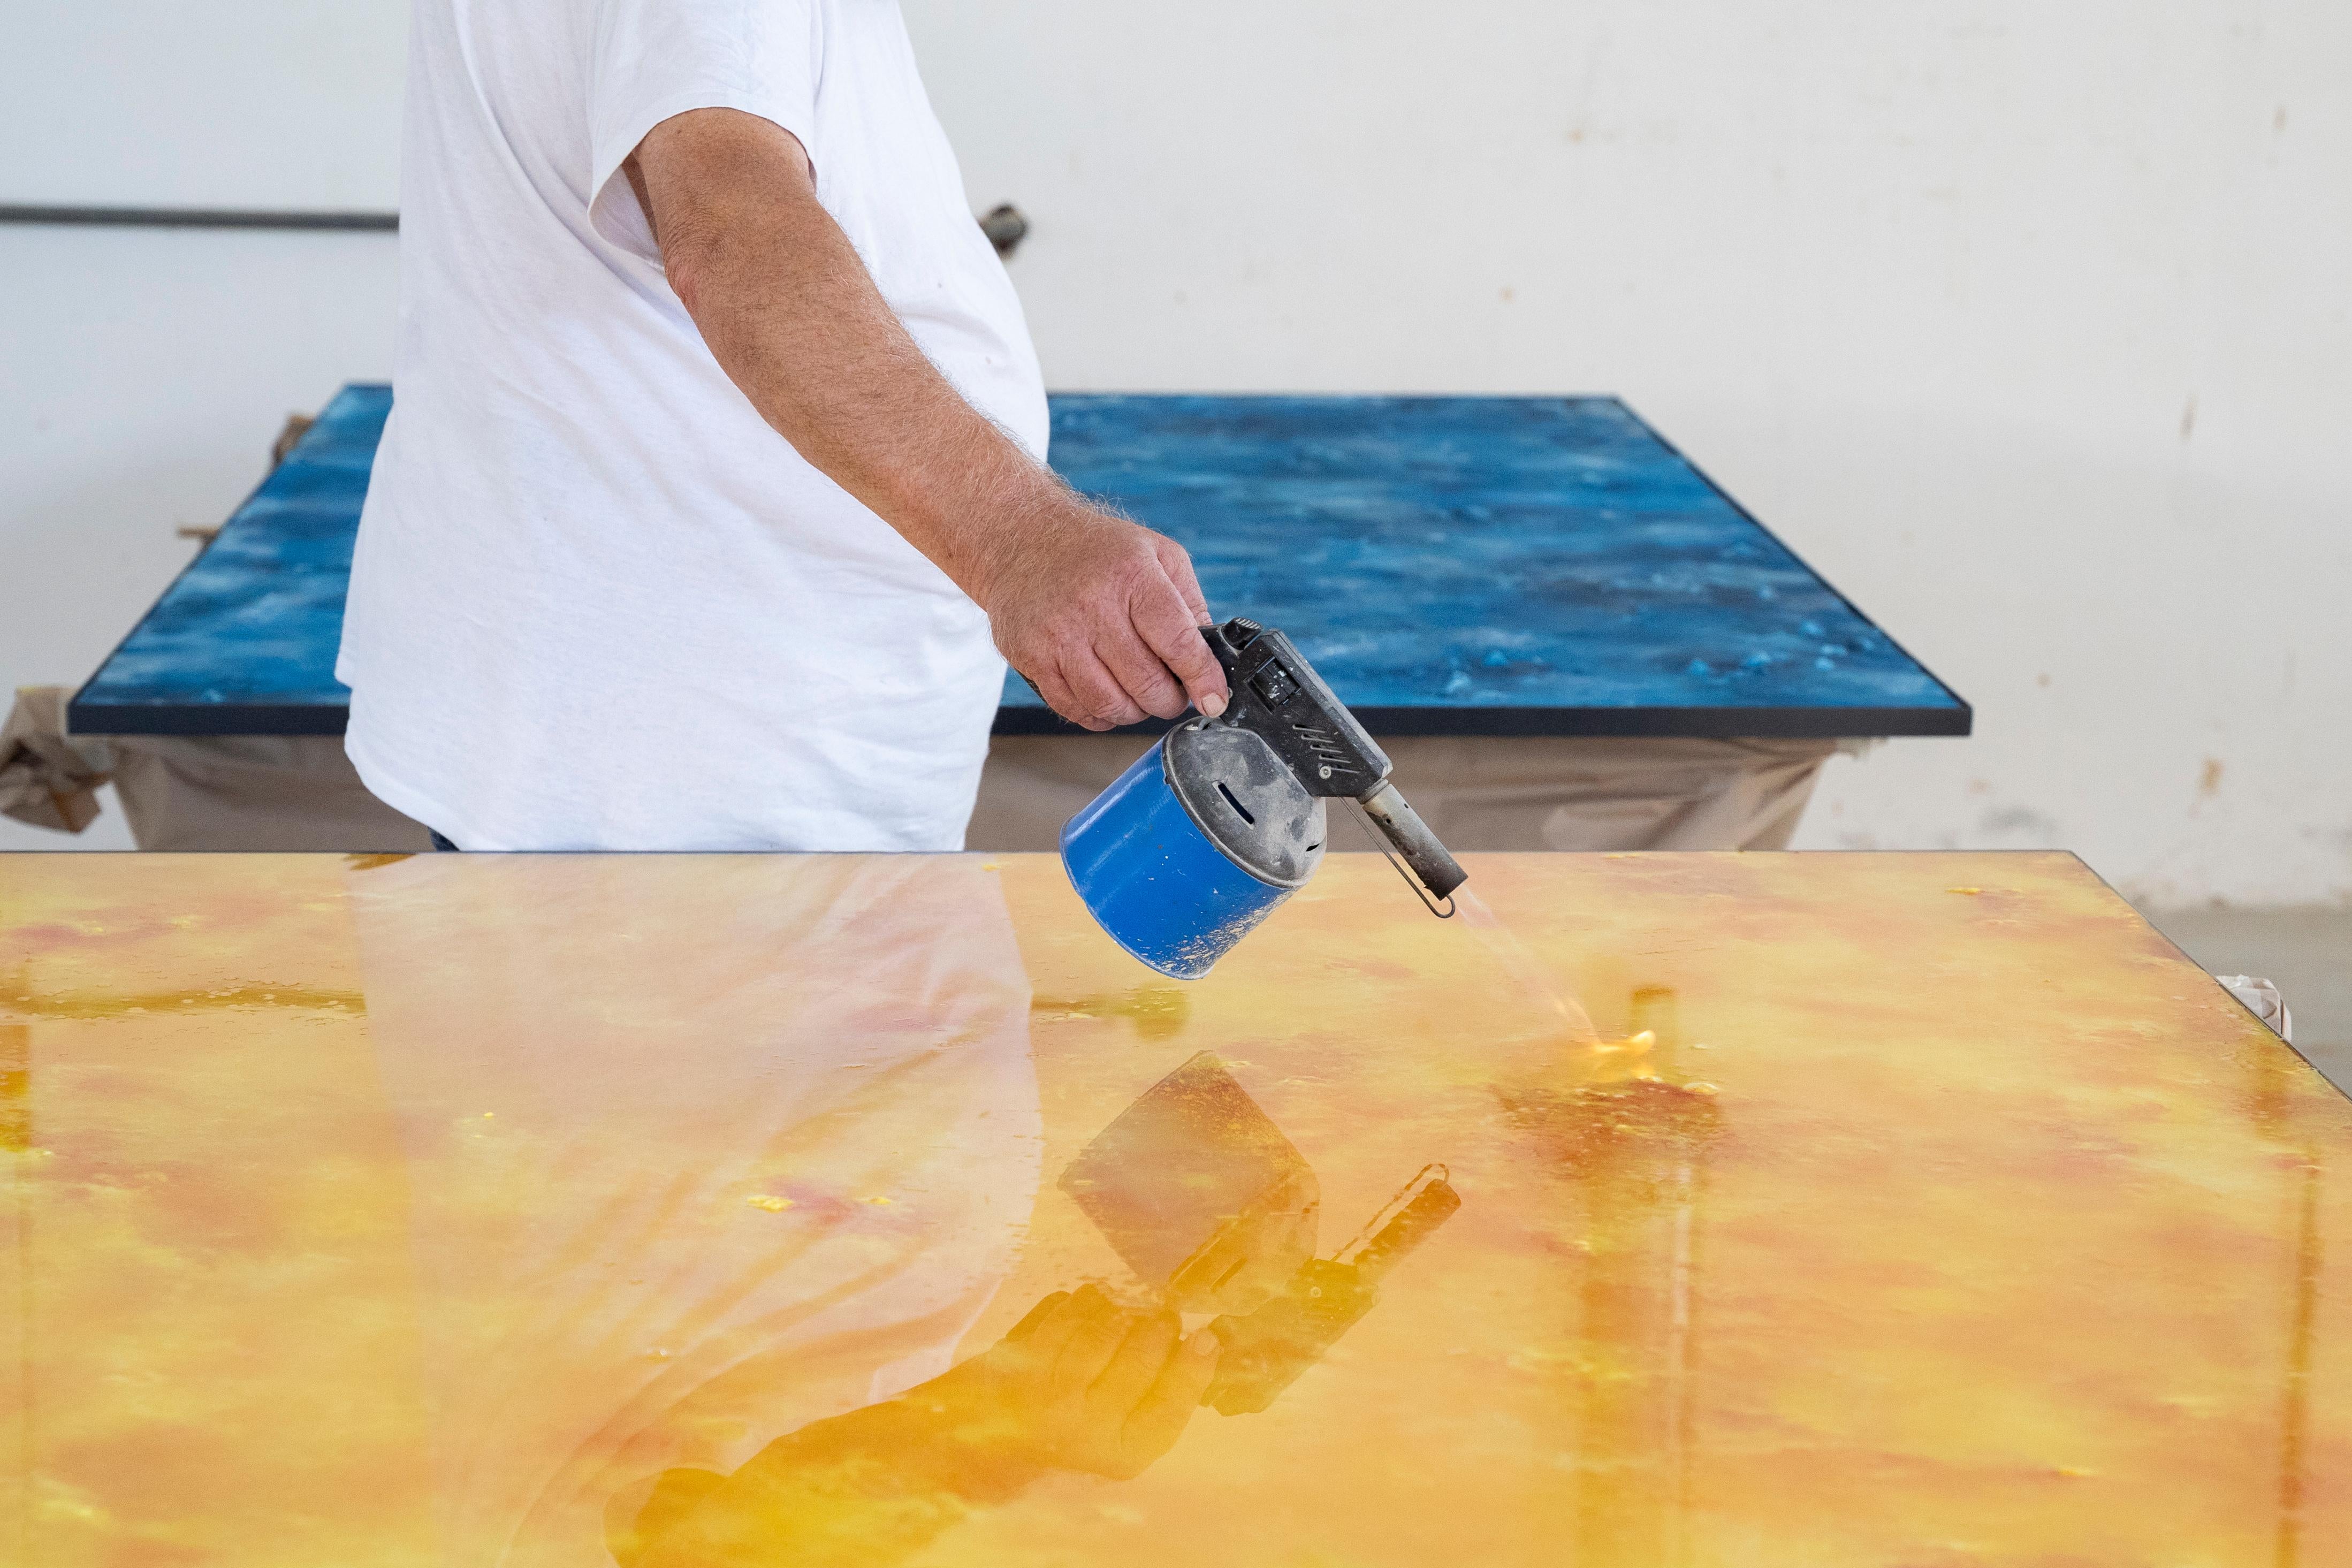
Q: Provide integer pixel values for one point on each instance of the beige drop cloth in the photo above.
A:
(253, 792)
(1475, 792)
(268, 792)
(195, 792)
(44, 778)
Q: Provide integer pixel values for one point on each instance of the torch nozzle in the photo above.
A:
(1432, 867)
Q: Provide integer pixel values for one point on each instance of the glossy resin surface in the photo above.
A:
(1726, 1210)
(1452, 565)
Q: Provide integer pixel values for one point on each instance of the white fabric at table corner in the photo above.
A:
(2260, 997)
(596, 601)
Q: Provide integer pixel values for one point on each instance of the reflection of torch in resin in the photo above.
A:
(1203, 1196)
(1199, 1191)
(1634, 1143)
(2273, 1108)
(1265, 1351)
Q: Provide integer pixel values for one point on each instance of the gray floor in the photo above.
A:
(2307, 953)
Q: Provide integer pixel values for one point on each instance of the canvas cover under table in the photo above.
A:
(301, 793)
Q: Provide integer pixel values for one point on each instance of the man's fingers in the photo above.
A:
(1063, 697)
(1100, 701)
(1037, 1315)
(1100, 1333)
(1132, 1369)
(1166, 624)
(1159, 1419)
(1044, 678)
(1045, 1343)
(1178, 564)
(1140, 674)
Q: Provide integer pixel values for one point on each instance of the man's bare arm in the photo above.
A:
(1100, 613)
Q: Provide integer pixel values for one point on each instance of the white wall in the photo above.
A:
(146, 373)
(238, 103)
(143, 373)
(2026, 324)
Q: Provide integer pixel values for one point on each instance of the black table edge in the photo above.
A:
(100, 719)
(1692, 723)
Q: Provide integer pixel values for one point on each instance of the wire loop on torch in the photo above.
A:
(1380, 843)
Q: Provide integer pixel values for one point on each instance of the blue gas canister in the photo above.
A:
(1222, 820)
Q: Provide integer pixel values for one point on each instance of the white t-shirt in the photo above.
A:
(597, 603)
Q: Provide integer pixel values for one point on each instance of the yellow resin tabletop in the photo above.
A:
(1766, 1209)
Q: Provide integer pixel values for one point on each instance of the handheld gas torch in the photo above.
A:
(1198, 841)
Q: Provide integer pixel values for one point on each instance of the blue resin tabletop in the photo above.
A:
(1452, 565)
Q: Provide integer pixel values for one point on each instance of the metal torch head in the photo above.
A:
(1277, 696)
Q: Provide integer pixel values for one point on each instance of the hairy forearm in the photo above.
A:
(1101, 614)
(793, 317)
(858, 1490)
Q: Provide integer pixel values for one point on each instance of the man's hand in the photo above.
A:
(1097, 611)
(1080, 1384)
(1127, 642)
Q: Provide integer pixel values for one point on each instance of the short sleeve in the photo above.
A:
(656, 58)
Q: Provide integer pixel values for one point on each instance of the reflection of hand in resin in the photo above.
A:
(1080, 1384)
(1267, 1350)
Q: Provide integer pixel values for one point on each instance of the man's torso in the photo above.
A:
(597, 601)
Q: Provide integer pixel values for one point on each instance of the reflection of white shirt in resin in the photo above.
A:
(696, 1159)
